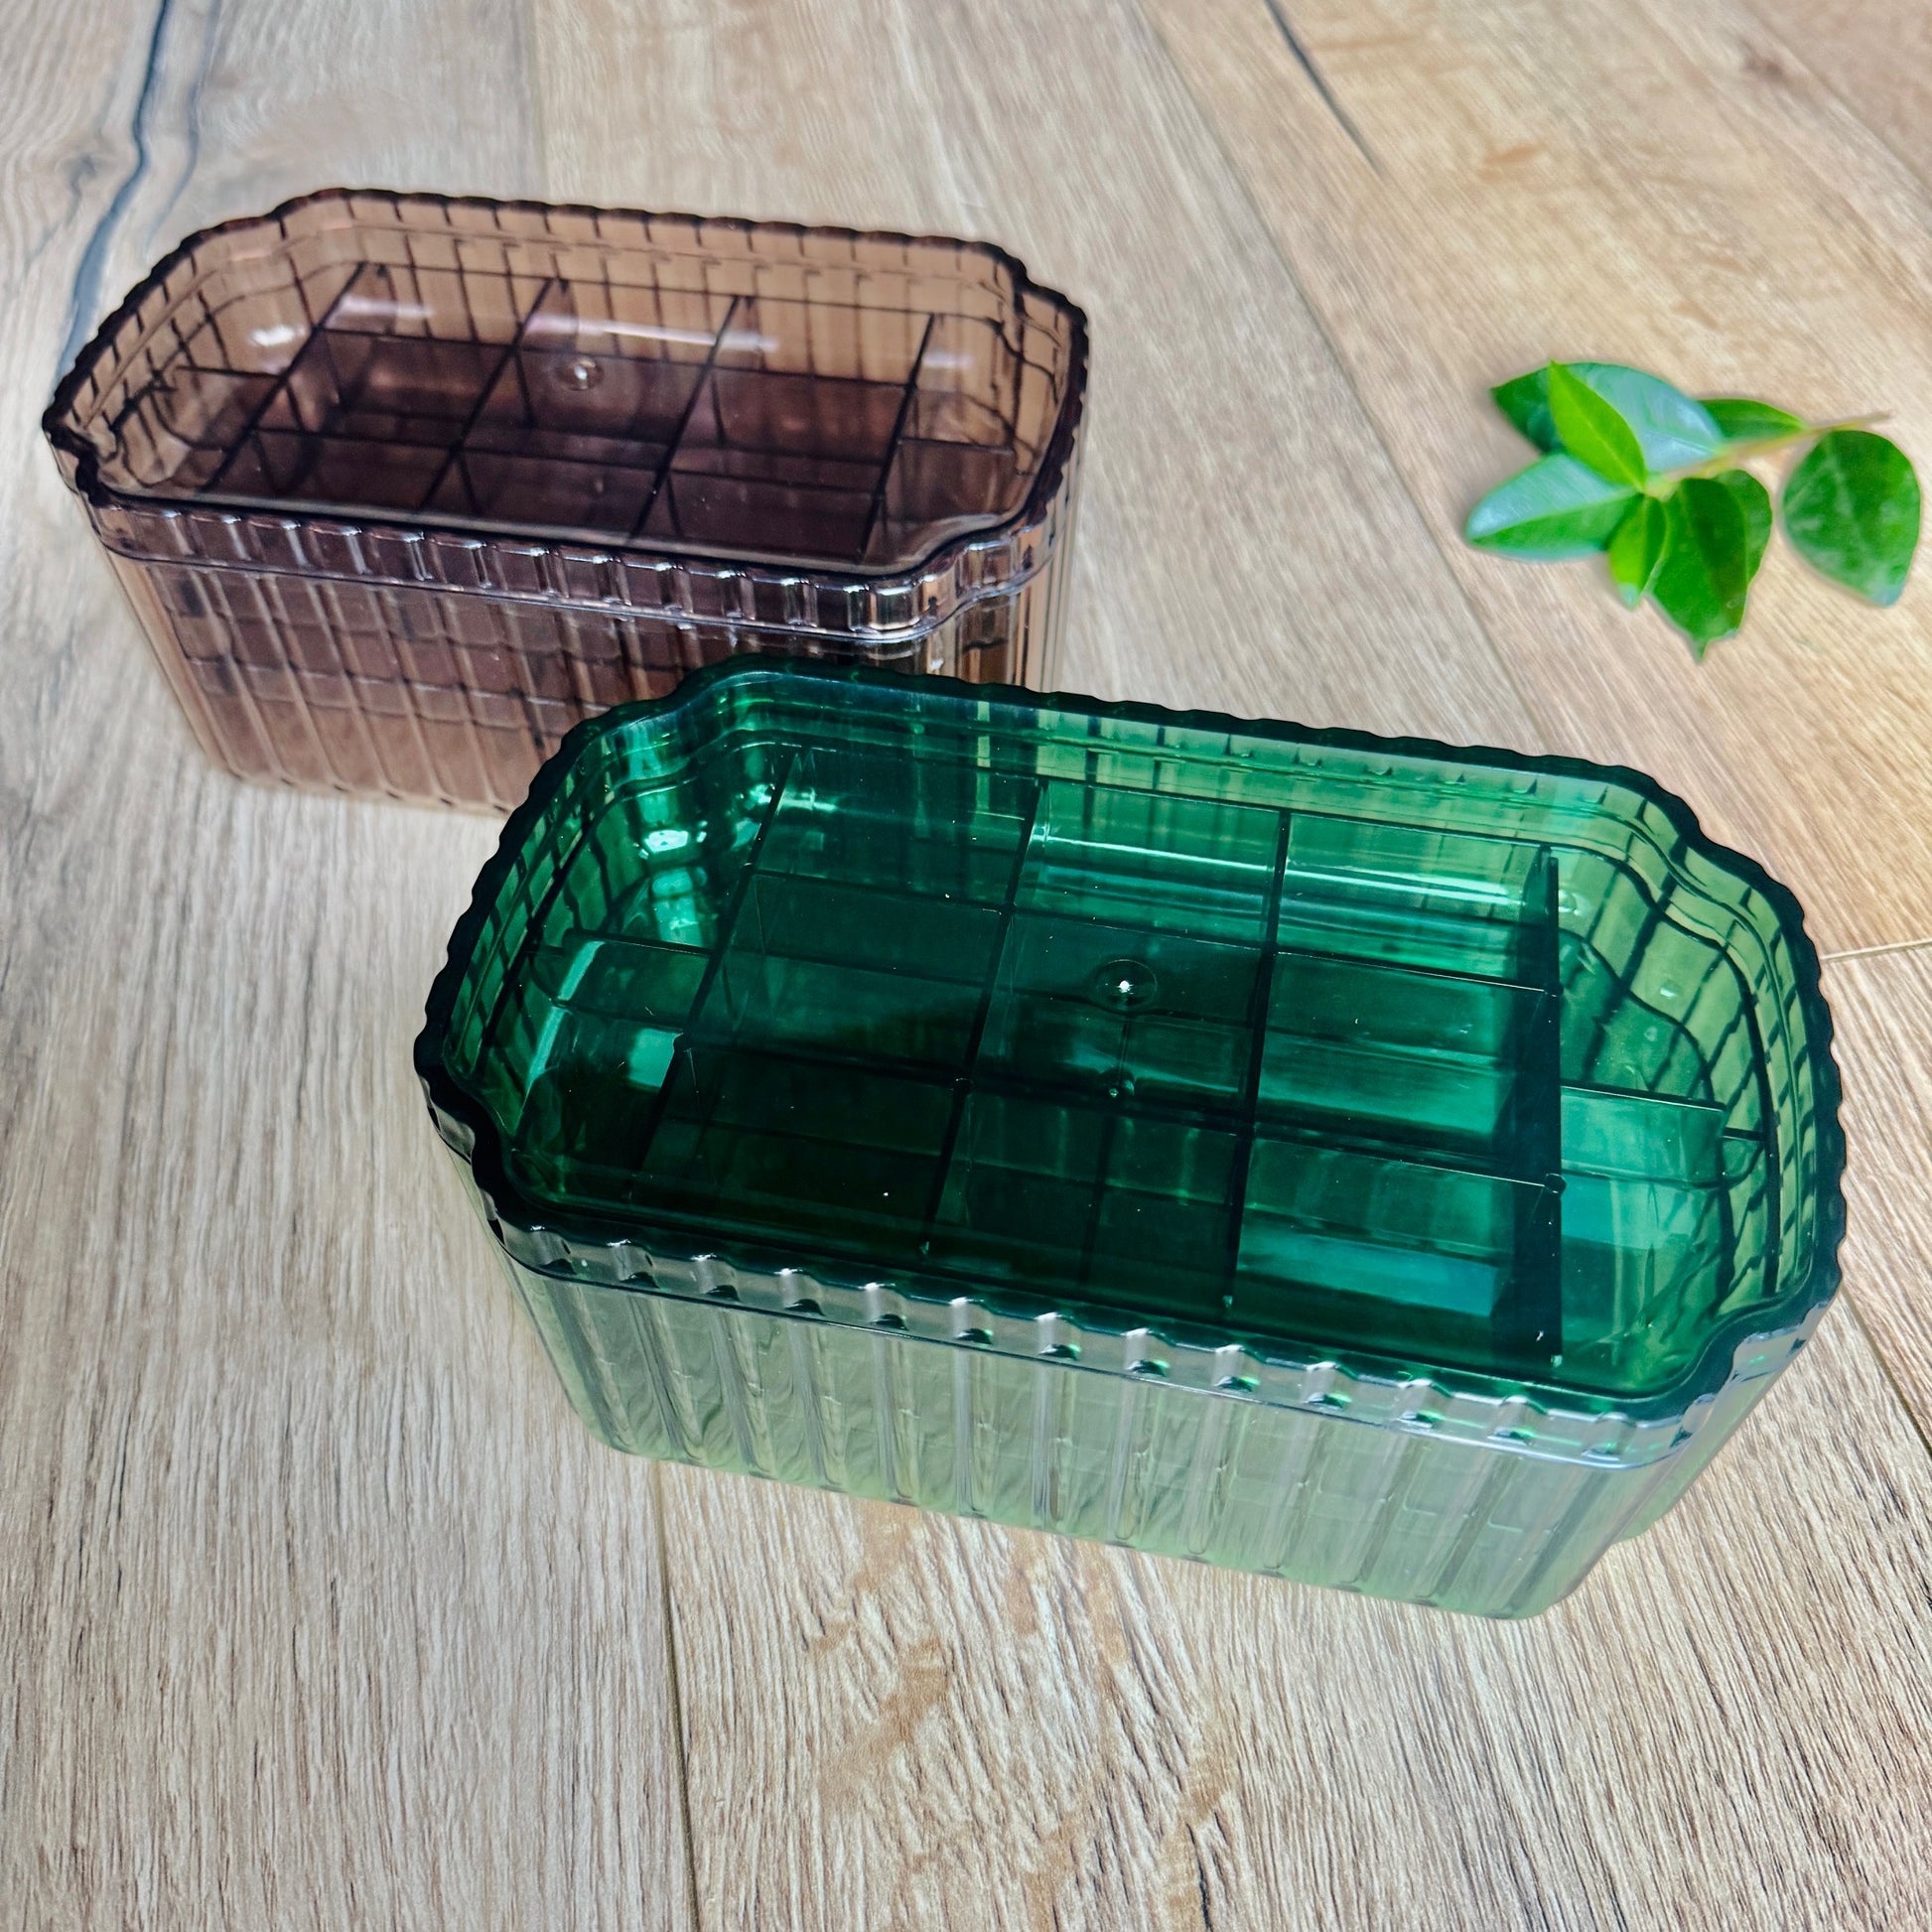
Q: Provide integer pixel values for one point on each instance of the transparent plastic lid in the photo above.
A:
(1460, 1063)
(812, 397)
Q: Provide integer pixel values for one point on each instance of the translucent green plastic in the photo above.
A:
(1093, 1116)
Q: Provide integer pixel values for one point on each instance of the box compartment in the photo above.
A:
(1094, 1116)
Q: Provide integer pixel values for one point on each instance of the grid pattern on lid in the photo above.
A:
(402, 487)
(1272, 1069)
(856, 404)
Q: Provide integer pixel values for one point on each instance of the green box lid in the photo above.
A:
(1456, 1065)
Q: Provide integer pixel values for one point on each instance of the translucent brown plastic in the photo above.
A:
(402, 487)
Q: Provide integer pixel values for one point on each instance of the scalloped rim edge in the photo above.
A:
(552, 1236)
(58, 427)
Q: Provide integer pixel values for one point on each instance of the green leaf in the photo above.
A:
(1756, 502)
(1743, 419)
(1525, 400)
(1672, 430)
(1558, 507)
(1852, 509)
(1702, 579)
(1635, 548)
(1592, 430)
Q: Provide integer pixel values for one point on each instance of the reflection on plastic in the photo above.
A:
(404, 487)
(1396, 1084)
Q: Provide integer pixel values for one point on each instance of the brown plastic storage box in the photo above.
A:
(404, 487)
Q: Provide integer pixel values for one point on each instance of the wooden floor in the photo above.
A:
(318, 1610)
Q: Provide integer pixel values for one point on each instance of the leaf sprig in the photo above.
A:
(1655, 480)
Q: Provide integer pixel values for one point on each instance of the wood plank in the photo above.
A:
(1875, 55)
(1243, 541)
(1883, 1007)
(895, 1719)
(900, 1720)
(237, 109)
(319, 1605)
(316, 1605)
(1565, 178)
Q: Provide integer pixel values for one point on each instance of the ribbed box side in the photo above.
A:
(1042, 1444)
(433, 697)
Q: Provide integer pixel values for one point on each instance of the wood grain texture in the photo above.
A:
(1883, 1008)
(897, 1720)
(316, 1608)
(1874, 55)
(905, 1720)
(1243, 541)
(316, 1605)
(1633, 184)
(237, 108)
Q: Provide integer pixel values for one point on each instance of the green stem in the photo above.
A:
(1731, 458)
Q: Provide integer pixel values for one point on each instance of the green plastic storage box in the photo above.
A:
(1386, 1165)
